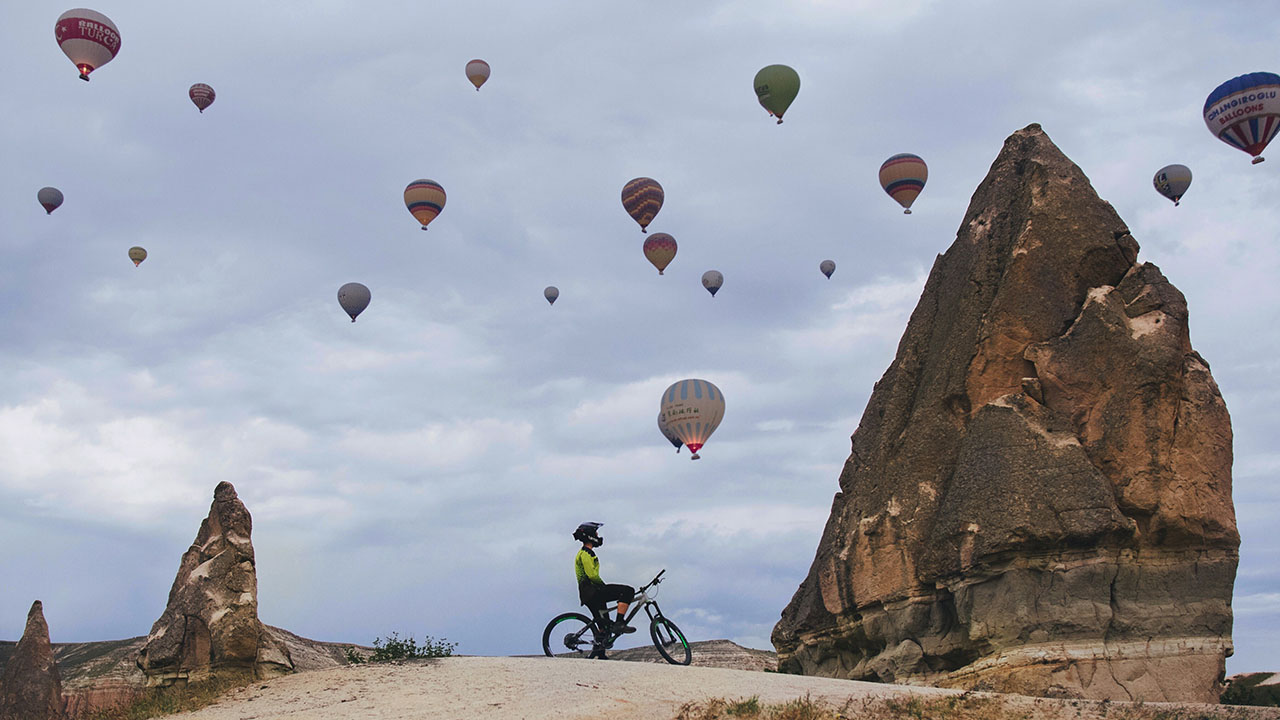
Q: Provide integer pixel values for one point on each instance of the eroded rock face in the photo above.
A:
(211, 621)
(30, 686)
(1039, 494)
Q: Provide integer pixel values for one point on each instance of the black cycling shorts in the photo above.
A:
(597, 596)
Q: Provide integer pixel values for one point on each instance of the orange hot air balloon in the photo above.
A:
(477, 72)
(202, 95)
(425, 199)
(660, 249)
(642, 198)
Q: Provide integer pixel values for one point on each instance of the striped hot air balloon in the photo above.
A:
(642, 198)
(1172, 181)
(903, 177)
(425, 199)
(693, 410)
(88, 38)
(660, 249)
(202, 95)
(477, 72)
(1244, 112)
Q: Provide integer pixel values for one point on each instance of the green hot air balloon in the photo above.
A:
(776, 86)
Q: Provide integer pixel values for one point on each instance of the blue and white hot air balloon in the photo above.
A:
(1244, 112)
(693, 410)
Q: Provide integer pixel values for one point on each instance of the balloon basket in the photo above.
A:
(907, 211)
(1255, 160)
(695, 456)
(779, 121)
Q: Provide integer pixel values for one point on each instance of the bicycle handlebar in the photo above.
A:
(656, 579)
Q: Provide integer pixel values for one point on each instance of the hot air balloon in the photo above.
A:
(642, 198)
(693, 410)
(50, 198)
(666, 432)
(477, 72)
(1244, 112)
(202, 95)
(660, 249)
(1172, 181)
(354, 298)
(425, 199)
(903, 177)
(776, 87)
(712, 280)
(88, 37)
(827, 267)
(551, 293)
(137, 255)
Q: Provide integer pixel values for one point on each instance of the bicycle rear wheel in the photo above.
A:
(571, 634)
(670, 641)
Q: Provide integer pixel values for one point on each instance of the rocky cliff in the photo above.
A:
(1038, 499)
(210, 623)
(30, 685)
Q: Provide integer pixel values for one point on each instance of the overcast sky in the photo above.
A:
(421, 469)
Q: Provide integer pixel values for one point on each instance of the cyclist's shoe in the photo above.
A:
(620, 628)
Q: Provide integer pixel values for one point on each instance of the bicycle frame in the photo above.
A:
(642, 600)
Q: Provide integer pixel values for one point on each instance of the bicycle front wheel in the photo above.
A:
(670, 641)
(570, 634)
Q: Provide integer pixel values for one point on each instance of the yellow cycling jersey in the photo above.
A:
(586, 566)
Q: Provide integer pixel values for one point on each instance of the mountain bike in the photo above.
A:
(573, 634)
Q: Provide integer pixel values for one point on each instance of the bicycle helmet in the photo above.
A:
(589, 532)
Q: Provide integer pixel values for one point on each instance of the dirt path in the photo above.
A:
(546, 689)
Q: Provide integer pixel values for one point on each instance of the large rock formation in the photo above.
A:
(1039, 494)
(30, 687)
(211, 621)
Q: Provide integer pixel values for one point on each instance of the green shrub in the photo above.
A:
(393, 648)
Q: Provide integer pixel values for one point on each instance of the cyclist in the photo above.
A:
(594, 592)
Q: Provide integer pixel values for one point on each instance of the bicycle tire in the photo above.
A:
(570, 624)
(670, 641)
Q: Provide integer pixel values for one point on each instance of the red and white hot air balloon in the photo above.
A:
(202, 95)
(88, 38)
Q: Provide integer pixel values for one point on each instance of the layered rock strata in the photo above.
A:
(210, 623)
(30, 686)
(1038, 499)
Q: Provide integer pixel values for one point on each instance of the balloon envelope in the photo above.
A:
(660, 249)
(693, 410)
(551, 293)
(202, 95)
(776, 87)
(903, 177)
(667, 433)
(1172, 181)
(354, 298)
(425, 199)
(642, 198)
(712, 280)
(88, 38)
(1244, 112)
(50, 198)
(137, 255)
(827, 267)
(477, 72)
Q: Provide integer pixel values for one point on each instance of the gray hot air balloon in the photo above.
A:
(552, 292)
(1172, 181)
(712, 280)
(827, 267)
(354, 298)
(50, 198)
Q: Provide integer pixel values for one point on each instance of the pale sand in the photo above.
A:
(545, 688)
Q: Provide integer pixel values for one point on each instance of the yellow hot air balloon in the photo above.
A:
(692, 410)
(137, 255)
(425, 199)
(660, 249)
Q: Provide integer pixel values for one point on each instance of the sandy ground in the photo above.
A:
(544, 688)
